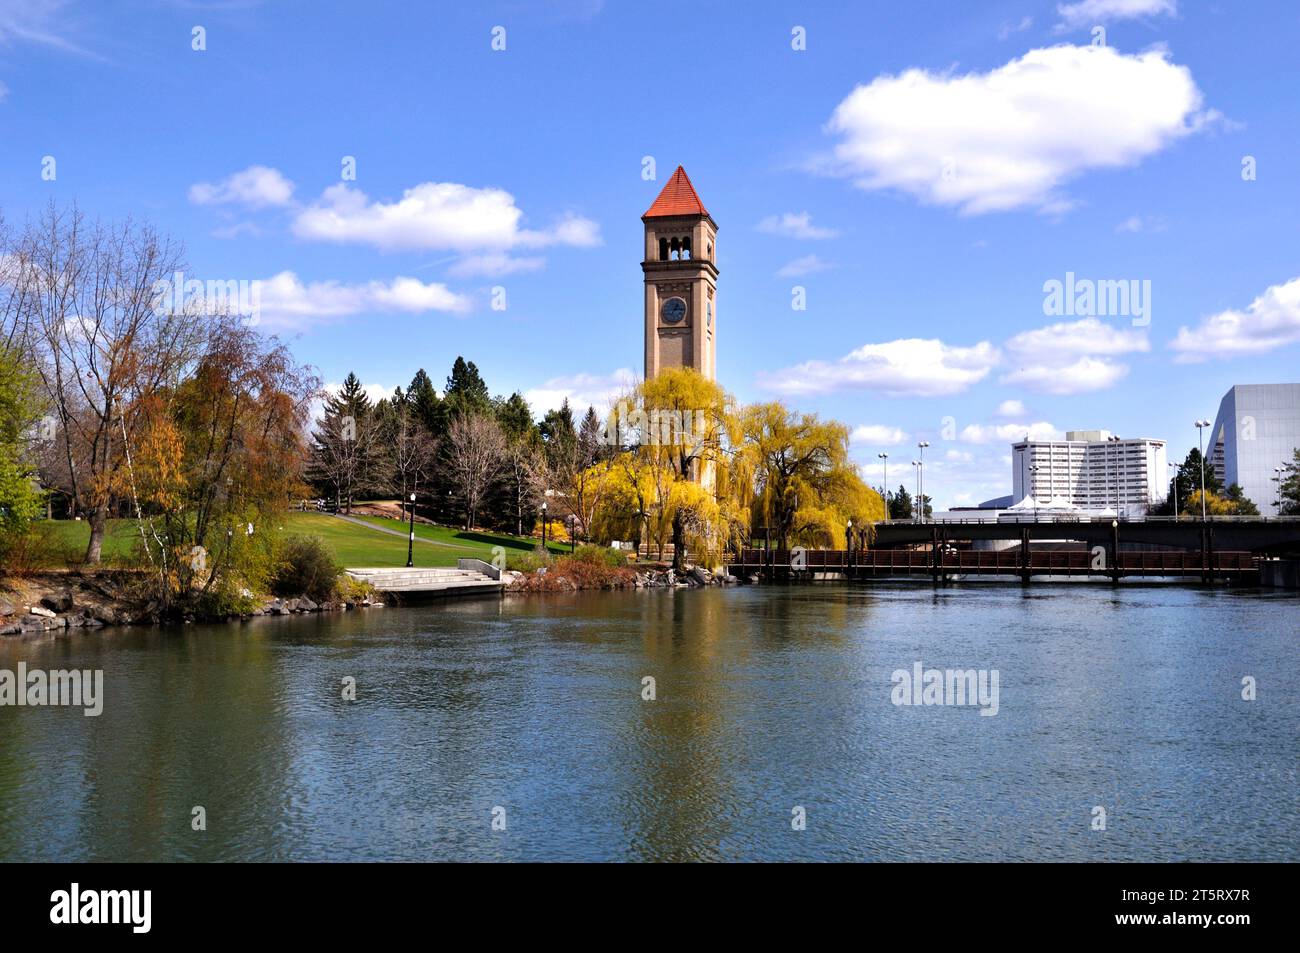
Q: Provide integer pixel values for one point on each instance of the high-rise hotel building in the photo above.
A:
(1257, 430)
(1092, 470)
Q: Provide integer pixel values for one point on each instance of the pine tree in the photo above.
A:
(466, 391)
(346, 452)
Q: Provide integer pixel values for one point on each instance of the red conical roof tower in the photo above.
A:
(677, 198)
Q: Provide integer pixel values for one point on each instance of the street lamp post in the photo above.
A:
(848, 540)
(410, 541)
(916, 485)
(1178, 471)
(1200, 439)
(1033, 482)
(921, 473)
(543, 526)
(1114, 439)
(885, 478)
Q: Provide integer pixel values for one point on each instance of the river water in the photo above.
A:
(771, 705)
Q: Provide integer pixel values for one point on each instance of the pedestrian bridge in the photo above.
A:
(1258, 535)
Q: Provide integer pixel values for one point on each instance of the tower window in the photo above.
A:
(663, 249)
(686, 248)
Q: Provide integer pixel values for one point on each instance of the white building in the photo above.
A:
(1256, 431)
(1092, 470)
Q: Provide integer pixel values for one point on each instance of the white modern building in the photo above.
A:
(1257, 430)
(1091, 470)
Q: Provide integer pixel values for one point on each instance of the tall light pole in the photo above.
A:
(1200, 439)
(917, 485)
(1033, 469)
(921, 473)
(1115, 438)
(543, 526)
(1177, 473)
(885, 479)
(410, 542)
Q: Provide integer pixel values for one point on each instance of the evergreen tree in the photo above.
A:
(1242, 505)
(900, 504)
(428, 407)
(346, 453)
(561, 438)
(466, 391)
(1288, 490)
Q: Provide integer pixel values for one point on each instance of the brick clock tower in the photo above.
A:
(680, 281)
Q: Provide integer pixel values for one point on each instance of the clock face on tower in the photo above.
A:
(673, 310)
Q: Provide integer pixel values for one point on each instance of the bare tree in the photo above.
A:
(476, 452)
(105, 343)
(413, 450)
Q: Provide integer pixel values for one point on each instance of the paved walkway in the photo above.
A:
(404, 534)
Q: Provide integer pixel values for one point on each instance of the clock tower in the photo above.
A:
(680, 281)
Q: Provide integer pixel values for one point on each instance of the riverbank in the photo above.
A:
(48, 601)
(575, 574)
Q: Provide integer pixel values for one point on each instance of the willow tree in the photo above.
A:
(805, 487)
(671, 433)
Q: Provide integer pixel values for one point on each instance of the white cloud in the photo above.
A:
(435, 216)
(1085, 374)
(494, 265)
(40, 22)
(1010, 408)
(1070, 357)
(582, 391)
(795, 225)
(1008, 28)
(1070, 338)
(1086, 13)
(286, 302)
(906, 367)
(376, 392)
(807, 265)
(958, 456)
(878, 434)
(1137, 223)
(258, 186)
(1008, 433)
(1011, 137)
(1271, 321)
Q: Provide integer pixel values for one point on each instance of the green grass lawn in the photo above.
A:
(353, 546)
(67, 539)
(468, 543)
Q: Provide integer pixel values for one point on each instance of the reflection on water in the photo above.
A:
(767, 699)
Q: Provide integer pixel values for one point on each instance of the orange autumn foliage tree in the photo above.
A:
(218, 459)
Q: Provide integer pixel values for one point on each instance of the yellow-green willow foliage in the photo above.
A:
(685, 465)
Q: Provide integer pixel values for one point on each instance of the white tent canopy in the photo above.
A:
(1058, 503)
(1028, 503)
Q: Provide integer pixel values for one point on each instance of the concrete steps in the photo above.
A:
(429, 580)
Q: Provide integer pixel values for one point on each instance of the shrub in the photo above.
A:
(307, 568)
(530, 561)
(601, 556)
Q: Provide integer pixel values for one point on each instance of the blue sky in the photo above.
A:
(920, 170)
